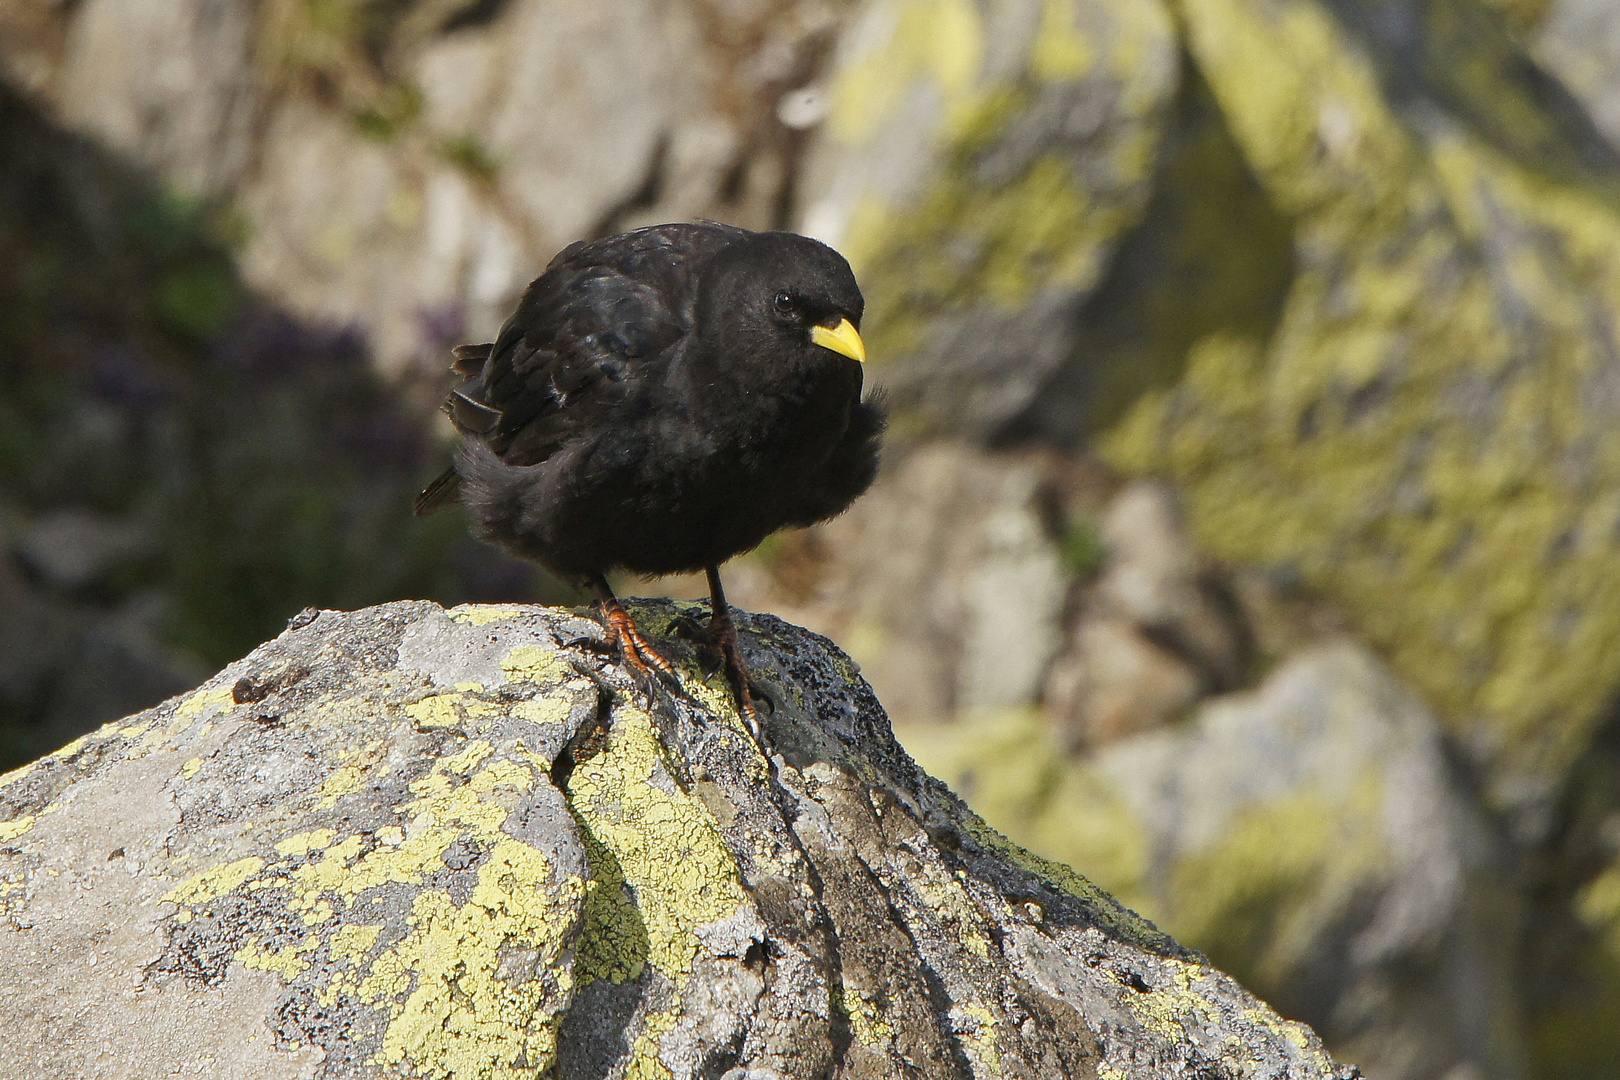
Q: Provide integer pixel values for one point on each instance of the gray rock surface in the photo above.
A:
(406, 841)
(979, 164)
(1313, 835)
(404, 168)
(1375, 897)
(945, 581)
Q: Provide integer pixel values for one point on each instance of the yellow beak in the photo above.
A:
(843, 338)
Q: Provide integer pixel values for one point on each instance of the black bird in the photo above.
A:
(660, 401)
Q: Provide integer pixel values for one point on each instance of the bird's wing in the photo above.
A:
(602, 312)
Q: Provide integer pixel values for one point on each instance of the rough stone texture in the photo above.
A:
(1427, 435)
(1157, 631)
(406, 841)
(978, 166)
(1311, 834)
(1363, 322)
(399, 167)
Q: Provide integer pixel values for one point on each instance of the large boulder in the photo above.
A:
(979, 165)
(411, 841)
(1426, 434)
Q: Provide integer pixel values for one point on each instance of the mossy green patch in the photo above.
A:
(1256, 899)
(1578, 1034)
(1009, 767)
(974, 236)
(1419, 436)
(1211, 255)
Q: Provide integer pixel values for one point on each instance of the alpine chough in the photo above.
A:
(660, 401)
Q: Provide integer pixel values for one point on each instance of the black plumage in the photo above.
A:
(660, 401)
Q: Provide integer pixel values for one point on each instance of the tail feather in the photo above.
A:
(470, 359)
(442, 490)
(470, 415)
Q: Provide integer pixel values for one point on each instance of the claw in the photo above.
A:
(636, 649)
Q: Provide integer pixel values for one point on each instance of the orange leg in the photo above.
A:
(622, 632)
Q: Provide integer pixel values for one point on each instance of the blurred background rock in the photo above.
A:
(1249, 534)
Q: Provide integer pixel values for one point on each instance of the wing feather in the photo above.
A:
(603, 311)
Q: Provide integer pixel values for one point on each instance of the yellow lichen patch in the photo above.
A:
(950, 903)
(532, 664)
(1253, 899)
(548, 709)
(1419, 438)
(484, 614)
(10, 830)
(436, 711)
(463, 761)
(1044, 800)
(937, 41)
(344, 780)
(715, 696)
(191, 768)
(217, 697)
(867, 1024)
(443, 812)
(660, 869)
(289, 963)
(976, 1028)
(472, 989)
(468, 1013)
(448, 710)
(1060, 51)
(318, 912)
(64, 753)
(1120, 918)
(502, 773)
(1173, 1008)
(217, 881)
(971, 238)
(353, 942)
(299, 843)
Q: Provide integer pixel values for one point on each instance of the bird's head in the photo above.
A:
(776, 288)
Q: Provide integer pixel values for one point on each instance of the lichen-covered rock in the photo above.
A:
(409, 166)
(1427, 433)
(416, 842)
(978, 165)
(1311, 835)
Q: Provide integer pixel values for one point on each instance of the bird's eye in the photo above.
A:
(785, 305)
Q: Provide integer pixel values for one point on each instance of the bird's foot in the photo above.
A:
(722, 633)
(636, 649)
